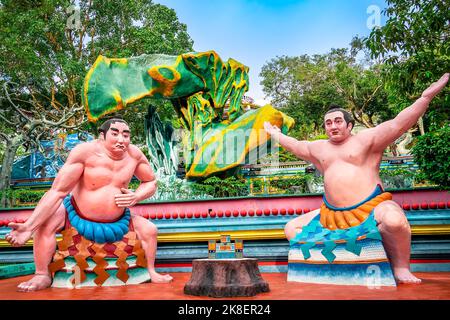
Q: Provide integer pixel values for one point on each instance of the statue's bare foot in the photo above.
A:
(159, 278)
(403, 275)
(38, 282)
(19, 235)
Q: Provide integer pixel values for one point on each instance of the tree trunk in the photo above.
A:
(6, 170)
(225, 278)
(394, 150)
(421, 126)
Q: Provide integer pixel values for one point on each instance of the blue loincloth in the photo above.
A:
(99, 232)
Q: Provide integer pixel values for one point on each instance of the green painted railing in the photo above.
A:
(16, 270)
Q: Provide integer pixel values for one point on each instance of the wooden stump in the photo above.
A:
(225, 278)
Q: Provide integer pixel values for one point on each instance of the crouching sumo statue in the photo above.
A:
(103, 243)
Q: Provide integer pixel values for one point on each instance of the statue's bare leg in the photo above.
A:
(295, 225)
(43, 250)
(147, 232)
(396, 234)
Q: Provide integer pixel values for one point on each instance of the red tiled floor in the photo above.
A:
(434, 286)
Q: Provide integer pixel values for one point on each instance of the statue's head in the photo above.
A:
(338, 124)
(115, 135)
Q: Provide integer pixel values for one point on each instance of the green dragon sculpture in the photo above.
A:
(199, 85)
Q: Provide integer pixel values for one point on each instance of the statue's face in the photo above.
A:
(117, 138)
(336, 127)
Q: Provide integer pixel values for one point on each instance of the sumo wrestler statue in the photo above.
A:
(89, 201)
(353, 192)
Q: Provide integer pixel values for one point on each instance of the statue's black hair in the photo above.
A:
(107, 124)
(347, 115)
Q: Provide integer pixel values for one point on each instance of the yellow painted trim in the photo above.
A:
(339, 262)
(426, 230)
(215, 235)
(276, 234)
(256, 234)
(99, 59)
(119, 60)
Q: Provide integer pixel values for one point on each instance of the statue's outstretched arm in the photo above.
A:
(387, 132)
(300, 148)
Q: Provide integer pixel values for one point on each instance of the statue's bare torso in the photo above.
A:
(101, 180)
(350, 169)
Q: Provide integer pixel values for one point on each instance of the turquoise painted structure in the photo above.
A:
(424, 208)
(342, 254)
(333, 261)
(40, 169)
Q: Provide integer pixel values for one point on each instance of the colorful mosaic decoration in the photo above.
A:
(97, 254)
(225, 249)
(200, 86)
(327, 252)
(79, 262)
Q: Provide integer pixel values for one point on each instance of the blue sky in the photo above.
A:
(255, 31)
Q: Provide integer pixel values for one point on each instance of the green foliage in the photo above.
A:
(134, 185)
(7, 194)
(42, 49)
(432, 155)
(176, 189)
(28, 195)
(23, 195)
(286, 156)
(414, 44)
(221, 188)
(46, 55)
(319, 137)
(291, 185)
(304, 87)
(257, 186)
(398, 178)
(395, 172)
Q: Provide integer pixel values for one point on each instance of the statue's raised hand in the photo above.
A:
(270, 129)
(436, 87)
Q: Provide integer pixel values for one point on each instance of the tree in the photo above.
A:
(26, 126)
(415, 48)
(47, 46)
(414, 45)
(305, 86)
(431, 153)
